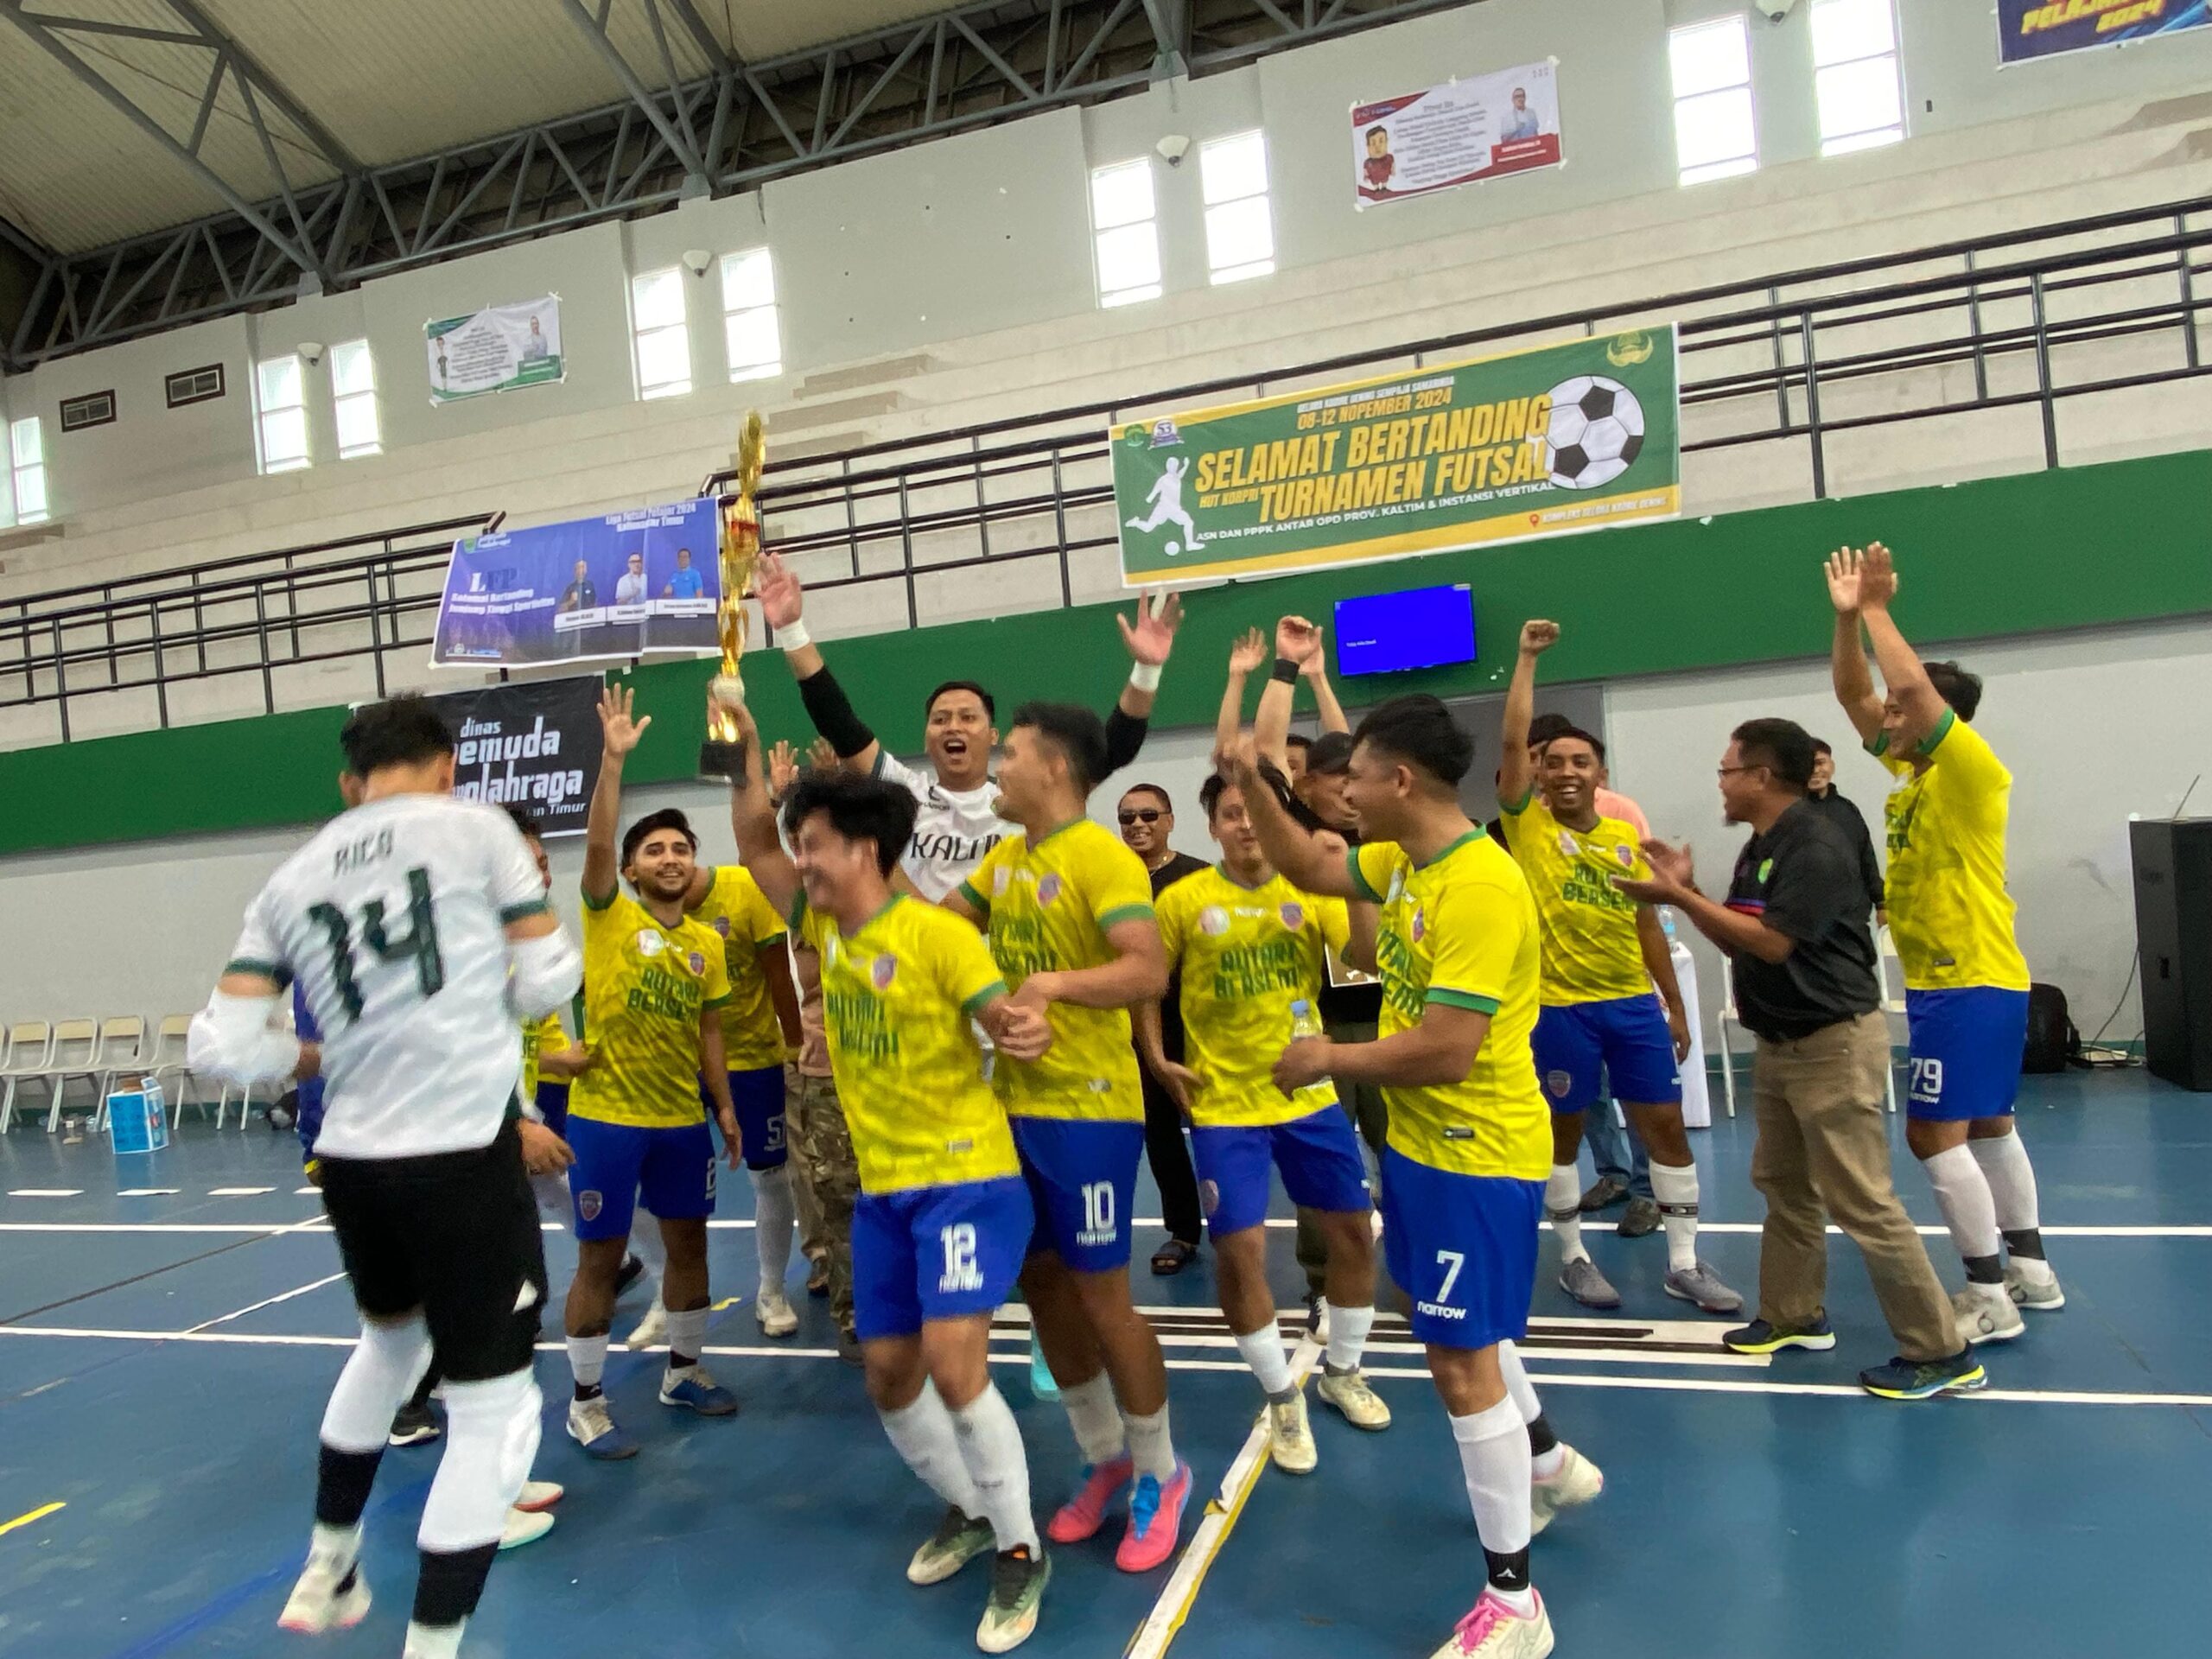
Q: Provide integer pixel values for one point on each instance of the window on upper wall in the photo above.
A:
(1855, 74)
(354, 394)
(663, 342)
(1715, 132)
(749, 332)
(26, 471)
(1240, 233)
(1125, 232)
(281, 414)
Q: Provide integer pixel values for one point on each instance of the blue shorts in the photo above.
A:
(1317, 1154)
(758, 1097)
(1463, 1247)
(1622, 1044)
(552, 1104)
(1083, 1176)
(617, 1164)
(1965, 1051)
(936, 1253)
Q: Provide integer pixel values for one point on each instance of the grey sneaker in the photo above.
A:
(2043, 1298)
(1981, 1316)
(1581, 1280)
(1700, 1284)
(958, 1540)
(1639, 1219)
(1608, 1191)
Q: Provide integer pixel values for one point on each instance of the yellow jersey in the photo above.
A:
(1246, 955)
(1048, 906)
(644, 986)
(897, 1001)
(1591, 951)
(544, 1036)
(1949, 912)
(747, 924)
(1461, 931)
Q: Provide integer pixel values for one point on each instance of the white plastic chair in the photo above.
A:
(28, 1048)
(167, 1060)
(76, 1054)
(1728, 1017)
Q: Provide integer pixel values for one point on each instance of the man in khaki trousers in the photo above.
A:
(1807, 986)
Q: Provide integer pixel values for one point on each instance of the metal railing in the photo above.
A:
(1804, 361)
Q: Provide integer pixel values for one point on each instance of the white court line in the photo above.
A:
(238, 1192)
(268, 1228)
(266, 1301)
(149, 1192)
(45, 1192)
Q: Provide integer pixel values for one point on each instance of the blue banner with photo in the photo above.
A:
(632, 582)
(2043, 28)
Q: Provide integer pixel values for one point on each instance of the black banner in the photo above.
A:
(532, 745)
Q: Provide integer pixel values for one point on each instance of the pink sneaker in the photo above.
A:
(1084, 1513)
(1494, 1630)
(1155, 1518)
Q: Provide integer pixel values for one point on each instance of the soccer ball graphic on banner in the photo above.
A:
(1596, 431)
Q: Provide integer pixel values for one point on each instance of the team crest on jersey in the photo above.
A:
(650, 944)
(721, 925)
(1627, 857)
(1293, 914)
(1766, 869)
(882, 971)
(588, 1205)
(1559, 1083)
(1421, 923)
(698, 963)
(1213, 921)
(1048, 889)
(1568, 846)
(1209, 1196)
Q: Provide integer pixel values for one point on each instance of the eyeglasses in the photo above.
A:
(1729, 771)
(1142, 814)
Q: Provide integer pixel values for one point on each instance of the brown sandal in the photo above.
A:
(1172, 1257)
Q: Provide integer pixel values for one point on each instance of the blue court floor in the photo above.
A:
(170, 1325)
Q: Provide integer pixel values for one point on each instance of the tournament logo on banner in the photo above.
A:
(1456, 134)
(1540, 442)
(497, 349)
(533, 744)
(2043, 28)
(588, 589)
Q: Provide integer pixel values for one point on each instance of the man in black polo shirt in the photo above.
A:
(1837, 808)
(1794, 928)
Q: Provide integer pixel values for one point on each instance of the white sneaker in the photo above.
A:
(1290, 1436)
(1348, 1392)
(523, 1527)
(331, 1595)
(2037, 1296)
(1575, 1483)
(538, 1495)
(653, 1329)
(775, 1314)
(1982, 1316)
(1494, 1630)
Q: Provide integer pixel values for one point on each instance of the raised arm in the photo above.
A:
(1247, 654)
(783, 604)
(618, 735)
(1920, 702)
(1296, 641)
(1515, 776)
(752, 821)
(1304, 860)
(1854, 680)
(1315, 670)
(1150, 640)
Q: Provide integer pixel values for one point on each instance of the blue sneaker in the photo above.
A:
(1761, 1336)
(593, 1427)
(693, 1389)
(1906, 1379)
(1040, 1375)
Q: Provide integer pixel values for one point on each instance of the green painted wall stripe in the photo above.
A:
(2123, 542)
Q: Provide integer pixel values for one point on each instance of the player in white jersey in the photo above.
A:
(958, 822)
(418, 927)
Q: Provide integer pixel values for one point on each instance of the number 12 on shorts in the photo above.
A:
(961, 1273)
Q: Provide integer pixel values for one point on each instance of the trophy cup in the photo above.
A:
(721, 757)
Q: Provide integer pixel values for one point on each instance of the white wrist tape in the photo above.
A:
(792, 638)
(1145, 676)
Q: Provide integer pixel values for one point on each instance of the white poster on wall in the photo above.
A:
(1456, 134)
(497, 349)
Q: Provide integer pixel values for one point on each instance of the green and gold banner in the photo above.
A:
(1539, 443)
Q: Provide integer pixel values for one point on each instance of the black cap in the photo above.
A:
(1329, 753)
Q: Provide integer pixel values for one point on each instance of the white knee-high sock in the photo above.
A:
(492, 1430)
(2011, 1180)
(998, 1467)
(1545, 1451)
(1494, 1460)
(1152, 1448)
(923, 1434)
(1096, 1419)
(380, 1373)
(775, 1216)
(1347, 1328)
(1962, 1193)
(1264, 1352)
(1562, 1197)
(1674, 1188)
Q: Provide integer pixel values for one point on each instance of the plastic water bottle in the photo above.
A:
(1304, 1022)
(1667, 921)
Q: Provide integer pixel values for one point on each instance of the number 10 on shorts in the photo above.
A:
(961, 1273)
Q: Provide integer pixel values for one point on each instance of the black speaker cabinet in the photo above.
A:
(2173, 934)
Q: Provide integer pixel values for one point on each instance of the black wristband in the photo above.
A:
(1285, 670)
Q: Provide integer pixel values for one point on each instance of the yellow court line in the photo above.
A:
(35, 1514)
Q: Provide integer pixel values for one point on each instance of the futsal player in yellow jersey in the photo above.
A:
(1251, 947)
(754, 1042)
(1603, 1035)
(1470, 1139)
(1068, 911)
(944, 1216)
(1966, 982)
(654, 983)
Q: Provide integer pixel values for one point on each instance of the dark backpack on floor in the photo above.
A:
(2053, 1043)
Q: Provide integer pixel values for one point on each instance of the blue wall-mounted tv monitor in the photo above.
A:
(1422, 627)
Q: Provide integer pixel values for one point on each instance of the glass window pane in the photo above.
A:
(663, 355)
(357, 422)
(1843, 29)
(1858, 97)
(1231, 167)
(1128, 257)
(1238, 232)
(280, 383)
(27, 441)
(30, 494)
(284, 436)
(352, 369)
(748, 279)
(1709, 56)
(657, 299)
(1121, 194)
(751, 339)
(1716, 127)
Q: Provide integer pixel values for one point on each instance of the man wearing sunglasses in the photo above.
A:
(1147, 820)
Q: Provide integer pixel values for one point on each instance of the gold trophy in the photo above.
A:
(723, 755)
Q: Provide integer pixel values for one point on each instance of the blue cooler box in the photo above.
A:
(138, 1119)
